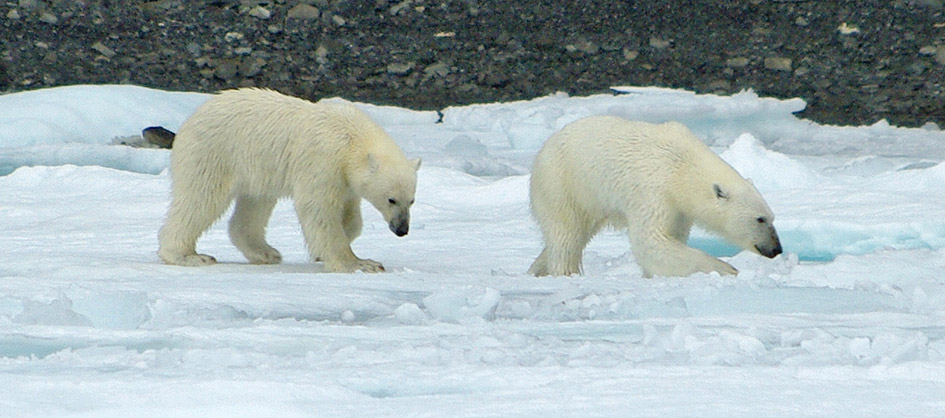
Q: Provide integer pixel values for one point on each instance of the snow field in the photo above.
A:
(849, 322)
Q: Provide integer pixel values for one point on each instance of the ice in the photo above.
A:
(458, 304)
(768, 170)
(848, 322)
(89, 114)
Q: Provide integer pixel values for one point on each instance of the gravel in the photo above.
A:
(854, 62)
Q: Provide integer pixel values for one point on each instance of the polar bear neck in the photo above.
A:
(693, 191)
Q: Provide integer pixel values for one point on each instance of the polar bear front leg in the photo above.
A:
(351, 219)
(671, 258)
(248, 229)
(327, 239)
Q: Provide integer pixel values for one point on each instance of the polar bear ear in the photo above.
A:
(416, 163)
(373, 163)
(719, 193)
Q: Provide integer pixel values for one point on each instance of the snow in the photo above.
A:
(849, 322)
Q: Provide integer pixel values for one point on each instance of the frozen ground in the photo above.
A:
(850, 322)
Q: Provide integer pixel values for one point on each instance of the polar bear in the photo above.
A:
(654, 180)
(256, 146)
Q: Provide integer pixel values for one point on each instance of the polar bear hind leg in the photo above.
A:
(566, 232)
(194, 208)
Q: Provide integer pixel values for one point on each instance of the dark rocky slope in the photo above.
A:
(854, 61)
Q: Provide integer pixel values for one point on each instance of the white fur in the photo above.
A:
(256, 146)
(654, 180)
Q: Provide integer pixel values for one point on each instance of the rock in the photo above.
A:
(28, 4)
(49, 18)
(321, 55)
(720, 86)
(400, 68)
(399, 8)
(917, 68)
(778, 64)
(940, 55)
(4, 78)
(583, 47)
(928, 50)
(104, 50)
(846, 29)
(659, 43)
(737, 62)
(13, 14)
(233, 37)
(303, 11)
(438, 69)
(260, 13)
(158, 136)
(251, 66)
(630, 54)
(194, 49)
(158, 7)
(226, 70)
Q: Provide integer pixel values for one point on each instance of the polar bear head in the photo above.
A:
(389, 184)
(740, 215)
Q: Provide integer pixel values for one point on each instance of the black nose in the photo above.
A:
(769, 252)
(400, 230)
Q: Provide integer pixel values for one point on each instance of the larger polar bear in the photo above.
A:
(256, 146)
(654, 180)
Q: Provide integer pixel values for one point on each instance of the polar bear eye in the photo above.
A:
(392, 201)
(762, 220)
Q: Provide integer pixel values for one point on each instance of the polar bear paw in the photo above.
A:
(266, 255)
(190, 260)
(360, 264)
(369, 266)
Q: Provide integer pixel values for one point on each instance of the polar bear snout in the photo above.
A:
(400, 230)
(770, 249)
(400, 225)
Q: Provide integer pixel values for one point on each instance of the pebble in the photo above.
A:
(28, 4)
(659, 43)
(778, 63)
(49, 18)
(303, 12)
(251, 67)
(439, 69)
(226, 70)
(233, 37)
(630, 54)
(737, 62)
(321, 55)
(104, 50)
(260, 13)
(400, 68)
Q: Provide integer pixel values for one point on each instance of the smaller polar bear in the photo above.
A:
(654, 180)
(256, 146)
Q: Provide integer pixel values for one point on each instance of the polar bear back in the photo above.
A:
(253, 133)
(610, 165)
